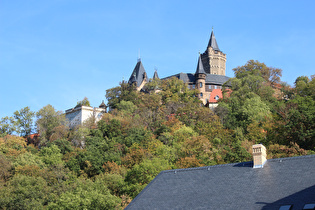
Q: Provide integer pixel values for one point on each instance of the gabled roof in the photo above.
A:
(138, 74)
(200, 69)
(213, 42)
(284, 181)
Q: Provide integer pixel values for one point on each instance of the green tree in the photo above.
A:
(28, 158)
(124, 92)
(87, 195)
(51, 155)
(24, 192)
(256, 68)
(305, 87)
(141, 174)
(47, 120)
(24, 120)
(300, 127)
(7, 126)
(78, 136)
(251, 98)
(85, 102)
(5, 169)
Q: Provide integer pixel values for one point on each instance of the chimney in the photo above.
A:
(259, 155)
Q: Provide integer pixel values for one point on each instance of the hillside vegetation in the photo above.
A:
(104, 165)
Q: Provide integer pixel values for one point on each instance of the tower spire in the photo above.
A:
(200, 69)
(155, 76)
(213, 42)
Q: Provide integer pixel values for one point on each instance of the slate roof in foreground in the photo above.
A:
(285, 181)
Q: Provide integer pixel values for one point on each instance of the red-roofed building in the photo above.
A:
(215, 95)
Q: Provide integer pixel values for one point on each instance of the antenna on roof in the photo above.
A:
(139, 58)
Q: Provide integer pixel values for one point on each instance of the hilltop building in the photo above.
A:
(281, 184)
(79, 114)
(208, 78)
(209, 75)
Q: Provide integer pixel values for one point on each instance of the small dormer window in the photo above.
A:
(216, 97)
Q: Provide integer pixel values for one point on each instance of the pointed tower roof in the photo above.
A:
(213, 42)
(200, 69)
(155, 76)
(138, 74)
(103, 105)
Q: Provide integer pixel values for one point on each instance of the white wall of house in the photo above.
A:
(78, 115)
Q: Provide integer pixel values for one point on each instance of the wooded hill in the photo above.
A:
(105, 165)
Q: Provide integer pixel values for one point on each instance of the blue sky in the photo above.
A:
(57, 52)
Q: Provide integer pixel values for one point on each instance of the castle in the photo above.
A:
(208, 78)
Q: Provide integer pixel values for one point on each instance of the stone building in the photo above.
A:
(79, 114)
(209, 75)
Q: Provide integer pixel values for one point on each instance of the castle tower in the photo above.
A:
(213, 58)
(200, 77)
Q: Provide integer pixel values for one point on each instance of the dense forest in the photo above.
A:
(104, 165)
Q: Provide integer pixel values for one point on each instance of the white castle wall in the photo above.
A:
(78, 115)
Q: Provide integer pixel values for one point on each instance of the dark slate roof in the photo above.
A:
(213, 42)
(183, 76)
(200, 69)
(138, 74)
(233, 186)
(210, 78)
(155, 76)
(216, 79)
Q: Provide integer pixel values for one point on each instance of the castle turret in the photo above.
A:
(156, 76)
(200, 77)
(213, 58)
(138, 76)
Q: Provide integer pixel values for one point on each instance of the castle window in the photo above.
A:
(200, 84)
(193, 86)
(201, 95)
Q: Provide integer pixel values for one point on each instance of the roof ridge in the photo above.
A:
(231, 164)
(203, 167)
(293, 157)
